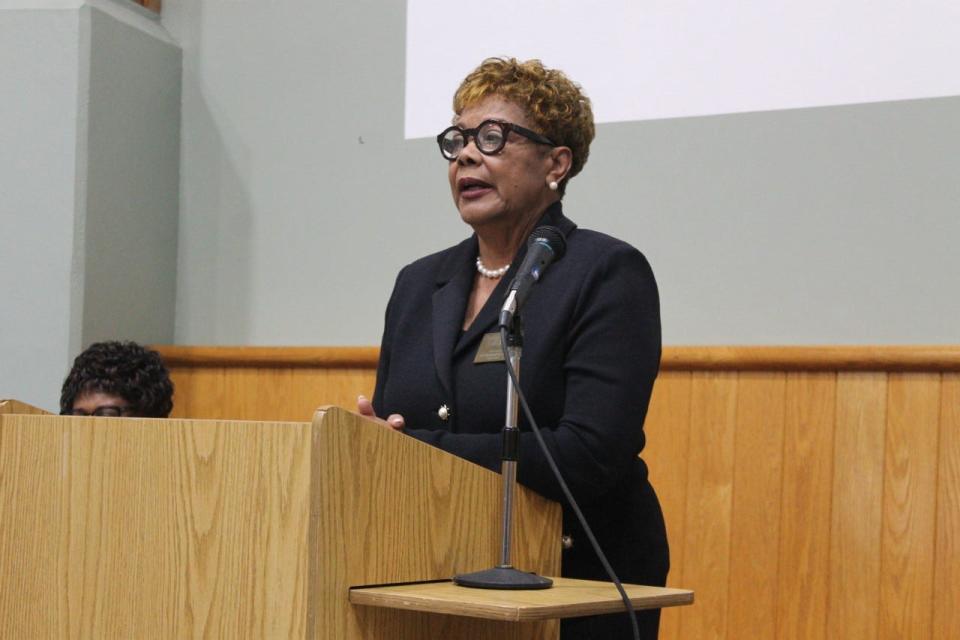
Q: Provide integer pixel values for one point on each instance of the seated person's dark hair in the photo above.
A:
(125, 370)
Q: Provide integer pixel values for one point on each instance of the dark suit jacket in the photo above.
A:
(591, 353)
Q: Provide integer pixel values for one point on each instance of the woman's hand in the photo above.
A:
(365, 408)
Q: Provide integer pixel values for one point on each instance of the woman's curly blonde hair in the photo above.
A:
(555, 104)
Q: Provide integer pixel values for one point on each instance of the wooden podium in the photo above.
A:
(140, 528)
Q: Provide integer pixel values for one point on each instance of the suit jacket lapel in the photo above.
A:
(486, 319)
(454, 280)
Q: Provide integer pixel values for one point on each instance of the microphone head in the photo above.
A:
(545, 246)
(551, 237)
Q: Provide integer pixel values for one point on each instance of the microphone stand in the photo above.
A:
(504, 575)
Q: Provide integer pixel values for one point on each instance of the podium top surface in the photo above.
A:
(568, 598)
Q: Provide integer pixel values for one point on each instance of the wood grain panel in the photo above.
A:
(757, 479)
(667, 428)
(15, 406)
(850, 558)
(909, 505)
(805, 506)
(146, 528)
(706, 543)
(30, 563)
(857, 505)
(946, 592)
(246, 393)
(374, 623)
(567, 598)
(431, 498)
(128, 528)
(214, 468)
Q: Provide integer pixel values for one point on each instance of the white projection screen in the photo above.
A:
(640, 60)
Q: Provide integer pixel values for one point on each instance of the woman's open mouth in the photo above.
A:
(471, 188)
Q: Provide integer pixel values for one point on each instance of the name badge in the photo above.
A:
(489, 350)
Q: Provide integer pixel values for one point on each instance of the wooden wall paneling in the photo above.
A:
(304, 390)
(909, 505)
(706, 542)
(266, 393)
(803, 568)
(946, 592)
(200, 393)
(857, 505)
(288, 394)
(667, 429)
(755, 527)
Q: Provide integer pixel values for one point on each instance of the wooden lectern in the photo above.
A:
(141, 528)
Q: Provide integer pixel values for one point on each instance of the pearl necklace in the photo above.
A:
(493, 274)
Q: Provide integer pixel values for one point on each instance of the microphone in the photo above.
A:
(545, 246)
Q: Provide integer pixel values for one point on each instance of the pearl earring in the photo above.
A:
(553, 185)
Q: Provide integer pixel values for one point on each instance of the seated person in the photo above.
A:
(117, 379)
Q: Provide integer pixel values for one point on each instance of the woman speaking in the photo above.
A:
(592, 329)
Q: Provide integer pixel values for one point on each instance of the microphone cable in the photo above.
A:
(504, 332)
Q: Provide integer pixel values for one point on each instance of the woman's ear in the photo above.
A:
(561, 159)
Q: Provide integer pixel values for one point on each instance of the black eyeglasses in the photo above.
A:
(103, 411)
(490, 138)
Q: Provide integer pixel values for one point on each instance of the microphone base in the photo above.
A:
(502, 578)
